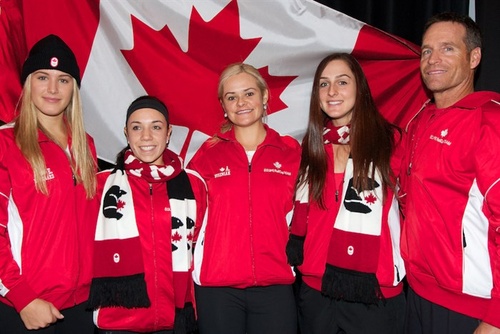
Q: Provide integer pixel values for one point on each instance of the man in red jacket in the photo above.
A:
(451, 189)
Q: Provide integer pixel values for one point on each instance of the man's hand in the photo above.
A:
(485, 328)
(39, 314)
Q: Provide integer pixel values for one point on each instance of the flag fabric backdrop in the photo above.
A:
(175, 49)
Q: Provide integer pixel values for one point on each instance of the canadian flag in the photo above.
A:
(176, 49)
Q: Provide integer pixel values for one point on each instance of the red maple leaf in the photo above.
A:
(120, 204)
(190, 236)
(176, 237)
(370, 199)
(187, 81)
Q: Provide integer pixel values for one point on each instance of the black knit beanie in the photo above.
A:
(147, 101)
(51, 53)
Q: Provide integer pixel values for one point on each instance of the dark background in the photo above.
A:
(406, 18)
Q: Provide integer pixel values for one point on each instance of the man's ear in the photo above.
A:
(475, 58)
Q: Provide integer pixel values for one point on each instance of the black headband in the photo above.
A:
(147, 102)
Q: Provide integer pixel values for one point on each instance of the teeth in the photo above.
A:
(243, 112)
(147, 148)
(334, 103)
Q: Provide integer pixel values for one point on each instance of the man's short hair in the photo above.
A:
(472, 32)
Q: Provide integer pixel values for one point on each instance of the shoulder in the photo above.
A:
(7, 139)
(205, 148)
(7, 132)
(488, 104)
(290, 142)
(102, 176)
(285, 141)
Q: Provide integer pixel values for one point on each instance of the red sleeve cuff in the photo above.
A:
(21, 295)
(492, 316)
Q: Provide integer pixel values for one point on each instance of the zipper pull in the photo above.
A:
(336, 195)
(408, 172)
(150, 189)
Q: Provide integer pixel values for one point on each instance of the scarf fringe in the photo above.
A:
(351, 286)
(129, 292)
(185, 320)
(295, 250)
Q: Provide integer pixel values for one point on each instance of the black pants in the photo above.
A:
(425, 317)
(255, 310)
(102, 331)
(319, 314)
(77, 320)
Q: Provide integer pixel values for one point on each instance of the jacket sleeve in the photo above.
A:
(295, 245)
(488, 179)
(200, 195)
(12, 284)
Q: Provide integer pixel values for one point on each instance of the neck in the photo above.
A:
(450, 97)
(250, 137)
(56, 129)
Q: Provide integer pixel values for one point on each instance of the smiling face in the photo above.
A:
(51, 92)
(243, 100)
(337, 92)
(148, 132)
(446, 66)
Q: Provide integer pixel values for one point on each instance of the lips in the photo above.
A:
(245, 111)
(434, 71)
(51, 99)
(147, 148)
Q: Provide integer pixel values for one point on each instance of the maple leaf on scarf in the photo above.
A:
(187, 81)
(120, 204)
(370, 199)
(176, 237)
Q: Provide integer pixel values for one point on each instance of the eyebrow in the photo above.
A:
(337, 76)
(154, 121)
(245, 90)
(427, 46)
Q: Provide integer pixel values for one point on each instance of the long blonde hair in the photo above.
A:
(26, 128)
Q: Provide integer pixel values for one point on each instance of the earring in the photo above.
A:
(265, 106)
(225, 115)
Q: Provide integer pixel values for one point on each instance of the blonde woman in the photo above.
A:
(47, 207)
(243, 281)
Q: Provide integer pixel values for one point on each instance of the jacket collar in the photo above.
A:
(272, 137)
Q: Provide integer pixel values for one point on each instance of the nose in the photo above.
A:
(433, 58)
(146, 134)
(332, 91)
(241, 101)
(53, 86)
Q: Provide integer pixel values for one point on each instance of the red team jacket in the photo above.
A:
(242, 242)
(451, 194)
(154, 223)
(45, 241)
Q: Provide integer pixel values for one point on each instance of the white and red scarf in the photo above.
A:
(118, 266)
(336, 134)
(352, 259)
(354, 247)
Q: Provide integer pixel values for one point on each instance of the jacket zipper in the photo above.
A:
(156, 317)
(250, 219)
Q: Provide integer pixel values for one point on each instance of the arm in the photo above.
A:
(200, 195)
(295, 245)
(488, 179)
(35, 313)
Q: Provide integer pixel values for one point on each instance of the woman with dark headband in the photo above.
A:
(142, 272)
